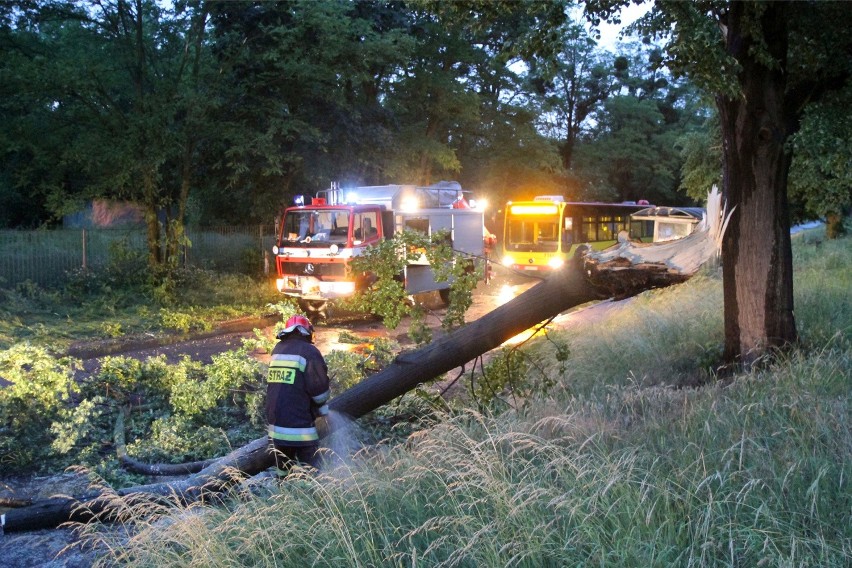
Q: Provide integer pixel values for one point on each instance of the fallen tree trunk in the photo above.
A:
(546, 299)
(223, 473)
(164, 469)
(621, 271)
(157, 469)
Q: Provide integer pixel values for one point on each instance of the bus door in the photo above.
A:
(567, 237)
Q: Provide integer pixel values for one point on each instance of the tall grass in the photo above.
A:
(617, 468)
(670, 336)
(823, 288)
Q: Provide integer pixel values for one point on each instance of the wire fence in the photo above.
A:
(45, 256)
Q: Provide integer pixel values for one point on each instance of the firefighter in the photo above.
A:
(297, 391)
(461, 202)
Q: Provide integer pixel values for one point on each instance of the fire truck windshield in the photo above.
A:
(319, 226)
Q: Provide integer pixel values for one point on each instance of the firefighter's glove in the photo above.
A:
(318, 411)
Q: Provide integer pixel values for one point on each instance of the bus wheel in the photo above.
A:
(445, 295)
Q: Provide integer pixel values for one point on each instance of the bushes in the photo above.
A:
(39, 388)
(175, 412)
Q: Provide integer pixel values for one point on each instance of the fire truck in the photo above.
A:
(317, 240)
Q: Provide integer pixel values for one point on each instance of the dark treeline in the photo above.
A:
(221, 111)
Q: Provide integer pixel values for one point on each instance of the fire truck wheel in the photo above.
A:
(314, 308)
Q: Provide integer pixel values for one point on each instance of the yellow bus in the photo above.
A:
(542, 234)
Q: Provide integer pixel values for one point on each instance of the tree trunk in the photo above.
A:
(834, 226)
(563, 290)
(621, 271)
(757, 254)
(152, 236)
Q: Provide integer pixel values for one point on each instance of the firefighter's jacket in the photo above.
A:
(297, 391)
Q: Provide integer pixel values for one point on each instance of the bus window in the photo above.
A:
(548, 231)
(671, 231)
(589, 229)
(519, 233)
(602, 228)
(641, 229)
(606, 228)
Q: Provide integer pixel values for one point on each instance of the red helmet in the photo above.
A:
(297, 322)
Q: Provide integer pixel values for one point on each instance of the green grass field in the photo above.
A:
(622, 463)
(95, 306)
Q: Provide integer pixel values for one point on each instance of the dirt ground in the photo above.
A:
(56, 548)
(52, 548)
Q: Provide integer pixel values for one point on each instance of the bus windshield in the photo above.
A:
(533, 233)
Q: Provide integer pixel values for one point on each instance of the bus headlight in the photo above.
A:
(508, 260)
(275, 249)
(556, 262)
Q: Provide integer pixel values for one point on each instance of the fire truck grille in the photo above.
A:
(319, 270)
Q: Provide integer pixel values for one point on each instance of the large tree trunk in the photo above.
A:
(757, 254)
(621, 271)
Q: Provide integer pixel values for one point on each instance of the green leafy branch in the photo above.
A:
(379, 271)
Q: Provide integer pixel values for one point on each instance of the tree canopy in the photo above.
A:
(227, 109)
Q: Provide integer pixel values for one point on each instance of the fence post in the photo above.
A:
(84, 249)
(263, 250)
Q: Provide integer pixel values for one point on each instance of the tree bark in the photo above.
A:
(834, 226)
(624, 270)
(757, 254)
(157, 469)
